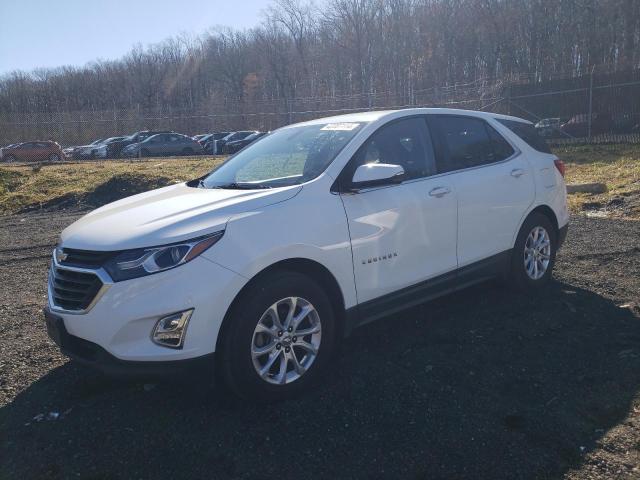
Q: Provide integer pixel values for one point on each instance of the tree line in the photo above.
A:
(344, 48)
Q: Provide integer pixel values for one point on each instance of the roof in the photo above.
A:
(373, 115)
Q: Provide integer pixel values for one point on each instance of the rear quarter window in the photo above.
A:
(527, 132)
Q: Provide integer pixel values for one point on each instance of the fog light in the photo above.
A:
(170, 330)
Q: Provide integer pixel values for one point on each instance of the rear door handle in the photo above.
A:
(439, 192)
(517, 172)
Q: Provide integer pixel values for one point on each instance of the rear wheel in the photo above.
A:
(534, 253)
(54, 157)
(280, 337)
(10, 158)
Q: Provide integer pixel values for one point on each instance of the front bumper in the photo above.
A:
(94, 356)
(119, 324)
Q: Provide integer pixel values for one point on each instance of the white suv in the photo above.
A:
(261, 266)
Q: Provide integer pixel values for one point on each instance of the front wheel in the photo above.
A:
(54, 157)
(534, 253)
(279, 338)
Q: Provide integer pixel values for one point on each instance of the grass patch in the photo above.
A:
(617, 166)
(92, 184)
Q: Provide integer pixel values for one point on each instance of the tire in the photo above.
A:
(144, 153)
(530, 270)
(54, 157)
(10, 159)
(187, 151)
(239, 365)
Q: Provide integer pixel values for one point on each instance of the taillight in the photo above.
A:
(560, 166)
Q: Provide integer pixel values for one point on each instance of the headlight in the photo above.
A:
(146, 261)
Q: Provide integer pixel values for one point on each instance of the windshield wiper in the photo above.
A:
(242, 186)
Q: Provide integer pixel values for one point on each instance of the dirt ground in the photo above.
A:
(483, 383)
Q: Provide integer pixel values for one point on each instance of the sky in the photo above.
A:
(51, 33)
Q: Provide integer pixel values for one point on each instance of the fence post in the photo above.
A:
(115, 120)
(589, 118)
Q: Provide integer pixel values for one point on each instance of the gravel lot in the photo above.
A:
(480, 384)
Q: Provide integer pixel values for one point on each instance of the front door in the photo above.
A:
(401, 234)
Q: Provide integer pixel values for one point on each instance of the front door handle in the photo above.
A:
(439, 191)
(517, 172)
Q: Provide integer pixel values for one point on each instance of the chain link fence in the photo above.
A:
(597, 108)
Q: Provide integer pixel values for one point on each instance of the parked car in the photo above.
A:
(209, 144)
(32, 152)
(237, 145)
(69, 152)
(256, 270)
(117, 146)
(217, 146)
(106, 148)
(163, 144)
(82, 152)
(549, 127)
(578, 126)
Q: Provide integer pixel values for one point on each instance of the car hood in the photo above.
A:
(166, 215)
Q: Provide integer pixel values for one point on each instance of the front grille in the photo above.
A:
(85, 258)
(72, 290)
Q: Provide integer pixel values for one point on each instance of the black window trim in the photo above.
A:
(341, 186)
(516, 150)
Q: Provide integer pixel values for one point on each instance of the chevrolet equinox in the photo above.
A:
(260, 267)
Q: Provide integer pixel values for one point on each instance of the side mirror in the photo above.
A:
(374, 174)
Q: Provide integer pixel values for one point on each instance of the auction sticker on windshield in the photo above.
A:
(343, 127)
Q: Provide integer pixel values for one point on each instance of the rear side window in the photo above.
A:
(465, 142)
(527, 132)
(501, 148)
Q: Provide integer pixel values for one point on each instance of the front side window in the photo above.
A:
(467, 142)
(289, 156)
(405, 142)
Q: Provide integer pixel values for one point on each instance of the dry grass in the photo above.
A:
(617, 166)
(26, 187)
(32, 187)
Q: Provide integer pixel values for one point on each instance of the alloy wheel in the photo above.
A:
(286, 340)
(537, 253)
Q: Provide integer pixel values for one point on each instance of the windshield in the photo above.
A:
(289, 156)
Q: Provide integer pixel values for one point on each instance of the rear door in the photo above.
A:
(401, 234)
(493, 182)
